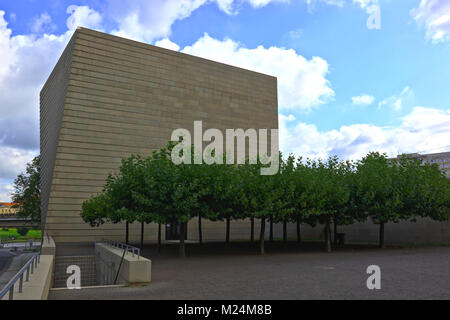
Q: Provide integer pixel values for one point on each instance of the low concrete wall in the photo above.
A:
(133, 270)
(422, 232)
(48, 246)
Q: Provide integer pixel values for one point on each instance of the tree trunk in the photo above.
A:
(142, 237)
(182, 236)
(299, 239)
(271, 229)
(328, 236)
(262, 234)
(159, 237)
(228, 231)
(200, 235)
(252, 229)
(381, 235)
(126, 232)
(285, 230)
(335, 233)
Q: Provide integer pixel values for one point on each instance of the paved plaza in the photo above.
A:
(236, 271)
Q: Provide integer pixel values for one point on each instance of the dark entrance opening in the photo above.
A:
(173, 231)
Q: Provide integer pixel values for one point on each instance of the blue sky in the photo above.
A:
(344, 89)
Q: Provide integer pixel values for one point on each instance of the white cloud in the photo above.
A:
(43, 23)
(398, 101)
(6, 189)
(435, 16)
(302, 83)
(262, 3)
(7, 50)
(13, 161)
(226, 6)
(149, 20)
(232, 6)
(313, 3)
(166, 43)
(363, 100)
(365, 3)
(295, 34)
(83, 16)
(422, 130)
(26, 63)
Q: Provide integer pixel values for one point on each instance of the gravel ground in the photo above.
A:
(236, 271)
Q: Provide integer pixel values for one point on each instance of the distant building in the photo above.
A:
(6, 208)
(442, 159)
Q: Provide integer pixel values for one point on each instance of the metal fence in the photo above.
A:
(28, 269)
(133, 250)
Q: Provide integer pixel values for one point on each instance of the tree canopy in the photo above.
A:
(154, 189)
(27, 191)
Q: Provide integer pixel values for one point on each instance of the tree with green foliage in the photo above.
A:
(283, 194)
(117, 202)
(153, 192)
(260, 196)
(27, 191)
(378, 194)
(345, 209)
(408, 181)
(433, 193)
(299, 178)
(23, 231)
(155, 189)
(317, 190)
(96, 210)
(217, 193)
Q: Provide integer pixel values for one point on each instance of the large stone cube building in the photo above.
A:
(110, 97)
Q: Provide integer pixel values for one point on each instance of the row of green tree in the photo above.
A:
(315, 192)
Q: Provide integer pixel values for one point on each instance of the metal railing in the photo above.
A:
(126, 247)
(29, 269)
